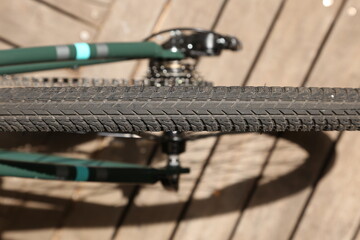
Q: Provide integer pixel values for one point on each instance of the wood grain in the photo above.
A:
(224, 187)
(127, 20)
(53, 210)
(294, 189)
(96, 207)
(334, 210)
(42, 204)
(143, 219)
(335, 201)
(357, 234)
(10, 200)
(323, 75)
(29, 23)
(249, 21)
(293, 43)
(155, 211)
(40, 208)
(3, 45)
(120, 25)
(284, 186)
(38, 24)
(90, 11)
(213, 211)
(23, 199)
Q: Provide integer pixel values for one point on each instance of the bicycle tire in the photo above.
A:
(140, 108)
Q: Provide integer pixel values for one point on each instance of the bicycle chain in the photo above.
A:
(160, 73)
(14, 81)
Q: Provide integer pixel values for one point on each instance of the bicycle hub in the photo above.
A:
(173, 144)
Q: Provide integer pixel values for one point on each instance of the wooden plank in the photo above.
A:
(284, 186)
(127, 20)
(10, 199)
(13, 190)
(3, 45)
(121, 25)
(28, 23)
(41, 204)
(144, 219)
(338, 191)
(334, 210)
(9, 189)
(223, 187)
(230, 173)
(187, 13)
(24, 23)
(89, 11)
(293, 43)
(249, 21)
(290, 148)
(357, 234)
(40, 208)
(338, 65)
(155, 210)
(82, 195)
(321, 20)
(97, 207)
(323, 75)
(101, 1)
(294, 189)
(15, 218)
(94, 210)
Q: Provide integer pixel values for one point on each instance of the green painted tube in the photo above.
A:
(41, 158)
(10, 171)
(141, 50)
(27, 55)
(33, 67)
(85, 51)
(30, 165)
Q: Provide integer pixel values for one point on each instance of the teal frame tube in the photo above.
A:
(85, 51)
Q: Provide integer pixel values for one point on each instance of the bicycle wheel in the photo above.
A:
(139, 108)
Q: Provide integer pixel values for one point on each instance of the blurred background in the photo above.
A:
(248, 186)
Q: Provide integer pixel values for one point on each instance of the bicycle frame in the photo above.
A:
(178, 47)
(22, 60)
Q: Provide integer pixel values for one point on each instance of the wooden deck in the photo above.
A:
(249, 186)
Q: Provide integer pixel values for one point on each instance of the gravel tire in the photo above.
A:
(139, 108)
